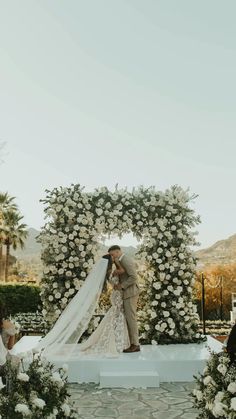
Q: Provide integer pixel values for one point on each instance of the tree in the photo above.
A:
(6, 204)
(15, 234)
(217, 276)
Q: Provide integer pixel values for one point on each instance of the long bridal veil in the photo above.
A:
(72, 323)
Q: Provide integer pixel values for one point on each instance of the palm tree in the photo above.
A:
(6, 203)
(15, 234)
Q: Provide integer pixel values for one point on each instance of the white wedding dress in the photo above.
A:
(111, 336)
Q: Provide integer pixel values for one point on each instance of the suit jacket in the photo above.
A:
(129, 279)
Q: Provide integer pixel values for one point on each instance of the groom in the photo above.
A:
(128, 283)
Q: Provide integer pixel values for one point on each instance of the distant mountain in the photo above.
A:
(222, 252)
(32, 249)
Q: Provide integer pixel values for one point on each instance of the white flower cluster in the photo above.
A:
(38, 392)
(215, 392)
(76, 222)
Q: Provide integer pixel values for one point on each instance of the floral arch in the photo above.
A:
(76, 220)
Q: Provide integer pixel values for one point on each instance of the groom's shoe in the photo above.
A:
(131, 349)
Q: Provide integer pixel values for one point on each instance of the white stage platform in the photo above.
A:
(148, 368)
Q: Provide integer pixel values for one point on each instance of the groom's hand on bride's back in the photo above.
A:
(117, 287)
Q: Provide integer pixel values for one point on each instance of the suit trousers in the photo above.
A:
(130, 309)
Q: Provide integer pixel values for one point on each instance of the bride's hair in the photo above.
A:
(109, 258)
(109, 269)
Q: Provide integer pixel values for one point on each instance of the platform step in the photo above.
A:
(127, 379)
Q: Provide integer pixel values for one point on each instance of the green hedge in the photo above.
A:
(20, 298)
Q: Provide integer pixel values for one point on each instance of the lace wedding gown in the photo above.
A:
(111, 336)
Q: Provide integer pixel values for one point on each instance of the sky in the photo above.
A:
(100, 92)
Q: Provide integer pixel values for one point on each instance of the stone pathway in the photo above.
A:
(169, 401)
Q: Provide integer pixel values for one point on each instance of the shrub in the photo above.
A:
(20, 298)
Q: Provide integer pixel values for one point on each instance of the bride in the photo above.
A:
(111, 336)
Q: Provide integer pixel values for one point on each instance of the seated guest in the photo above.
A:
(7, 329)
(231, 344)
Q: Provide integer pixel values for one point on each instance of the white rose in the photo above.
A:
(166, 313)
(207, 380)
(233, 403)
(66, 409)
(232, 387)
(156, 285)
(222, 369)
(40, 403)
(23, 408)
(56, 378)
(23, 377)
(68, 274)
(99, 211)
(219, 409)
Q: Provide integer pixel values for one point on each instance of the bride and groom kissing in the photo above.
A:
(118, 330)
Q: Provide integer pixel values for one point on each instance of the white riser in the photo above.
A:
(129, 379)
(172, 362)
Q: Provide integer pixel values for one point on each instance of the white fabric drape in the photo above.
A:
(72, 323)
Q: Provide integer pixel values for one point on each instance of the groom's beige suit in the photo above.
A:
(129, 285)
